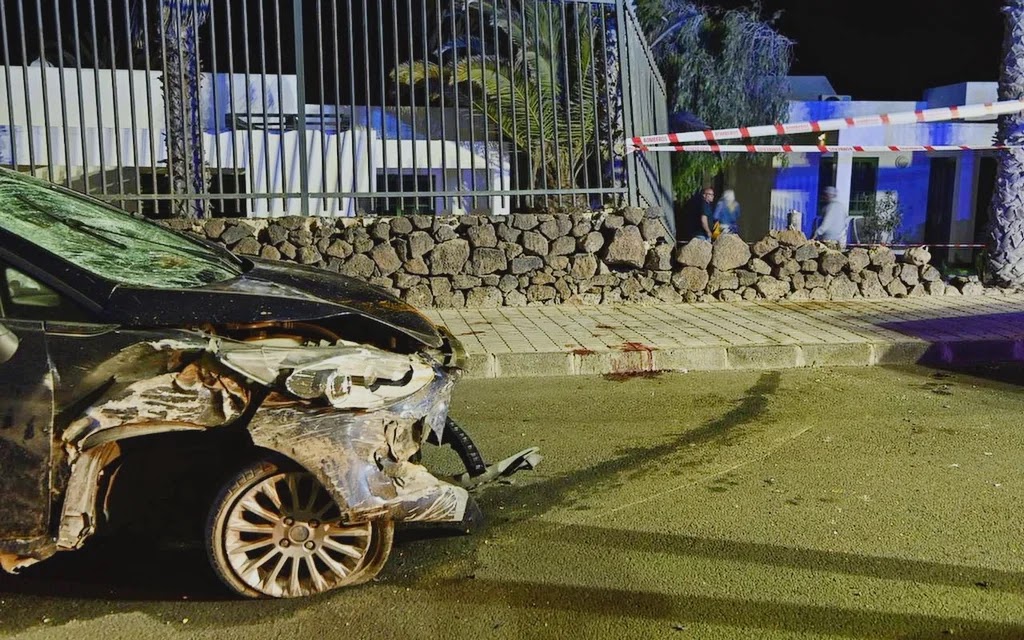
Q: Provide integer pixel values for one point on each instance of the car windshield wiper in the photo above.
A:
(201, 253)
(77, 225)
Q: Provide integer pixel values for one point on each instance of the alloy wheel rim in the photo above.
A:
(283, 538)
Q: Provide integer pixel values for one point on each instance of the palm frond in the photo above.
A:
(539, 75)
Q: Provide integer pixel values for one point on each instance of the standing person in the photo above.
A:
(696, 216)
(727, 213)
(835, 221)
(703, 214)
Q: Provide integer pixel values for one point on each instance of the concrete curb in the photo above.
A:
(742, 357)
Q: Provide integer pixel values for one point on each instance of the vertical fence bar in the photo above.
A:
(252, 170)
(581, 78)
(485, 53)
(300, 72)
(370, 173)
(232, 125)
(218, 124)
(414, 145)
(542, 139)
(556, 105)
(400, 173)
(531, 141)
(427, 106)
(609, 105)
(514, 155)
(99, 99)
(469, 53)
(352, 203)
(147, 63)
(201, 207)
(324, 208)
(565, 99)
(263, 94)
(625, 65)
(132, 108)
(118, 155)
(595, 48)
(388, 203)
(287, 173)
(62, 83)
(43, 76)
(28, 91)
(282, 149)
(81, 99)
(11, 128)
(459, 181)
(445, 73)
(337, 97)
(166, 81)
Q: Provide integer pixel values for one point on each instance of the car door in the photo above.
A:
(26, 411)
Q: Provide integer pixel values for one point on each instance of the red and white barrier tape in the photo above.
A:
(914, 246)
(941, 114)
(796, 148)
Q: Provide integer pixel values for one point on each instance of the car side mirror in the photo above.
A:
(8, 344)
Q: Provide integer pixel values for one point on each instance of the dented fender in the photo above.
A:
(364, 459)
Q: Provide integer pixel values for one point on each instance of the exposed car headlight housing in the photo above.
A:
(312, 384)
(349, 376)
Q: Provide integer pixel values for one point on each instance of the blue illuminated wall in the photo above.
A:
(911, 187)
(801, 175)
(798, 184)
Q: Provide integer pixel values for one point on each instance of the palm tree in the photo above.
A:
(723, 68)
(1006, 254)
(542, 103)
(173, 38)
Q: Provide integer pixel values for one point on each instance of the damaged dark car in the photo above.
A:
(288, 404)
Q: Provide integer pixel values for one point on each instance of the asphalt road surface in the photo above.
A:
(847, 503)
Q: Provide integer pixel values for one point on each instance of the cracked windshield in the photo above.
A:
(110, 244)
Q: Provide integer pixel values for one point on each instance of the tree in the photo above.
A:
(170, 29)
(542, 99)
(723, 69)
(1006, 253)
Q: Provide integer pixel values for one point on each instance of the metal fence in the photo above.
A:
(332, 107)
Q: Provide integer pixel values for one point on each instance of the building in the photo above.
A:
(116, 120)
(943, 196)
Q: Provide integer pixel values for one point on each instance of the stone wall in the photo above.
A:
(602, 258)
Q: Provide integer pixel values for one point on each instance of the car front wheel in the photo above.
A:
(275, 532)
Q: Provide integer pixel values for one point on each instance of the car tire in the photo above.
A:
(274, 532)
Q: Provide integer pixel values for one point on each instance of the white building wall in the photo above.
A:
(75, 126)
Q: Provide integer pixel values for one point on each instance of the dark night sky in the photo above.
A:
(891, 49)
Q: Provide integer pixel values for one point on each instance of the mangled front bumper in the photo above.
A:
(365, 459)
(360, 442)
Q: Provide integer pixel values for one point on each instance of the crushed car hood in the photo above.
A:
(270, 292)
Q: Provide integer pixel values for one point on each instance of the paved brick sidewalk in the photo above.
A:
(575, 340)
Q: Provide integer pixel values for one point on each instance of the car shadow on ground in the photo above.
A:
(122, 568)
(119, 569)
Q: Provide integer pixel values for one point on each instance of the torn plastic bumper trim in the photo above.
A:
(364, 459)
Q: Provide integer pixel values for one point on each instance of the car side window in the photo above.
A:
(24, 291)
(23, 297)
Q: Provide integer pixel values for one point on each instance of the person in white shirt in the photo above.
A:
(835, 221)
